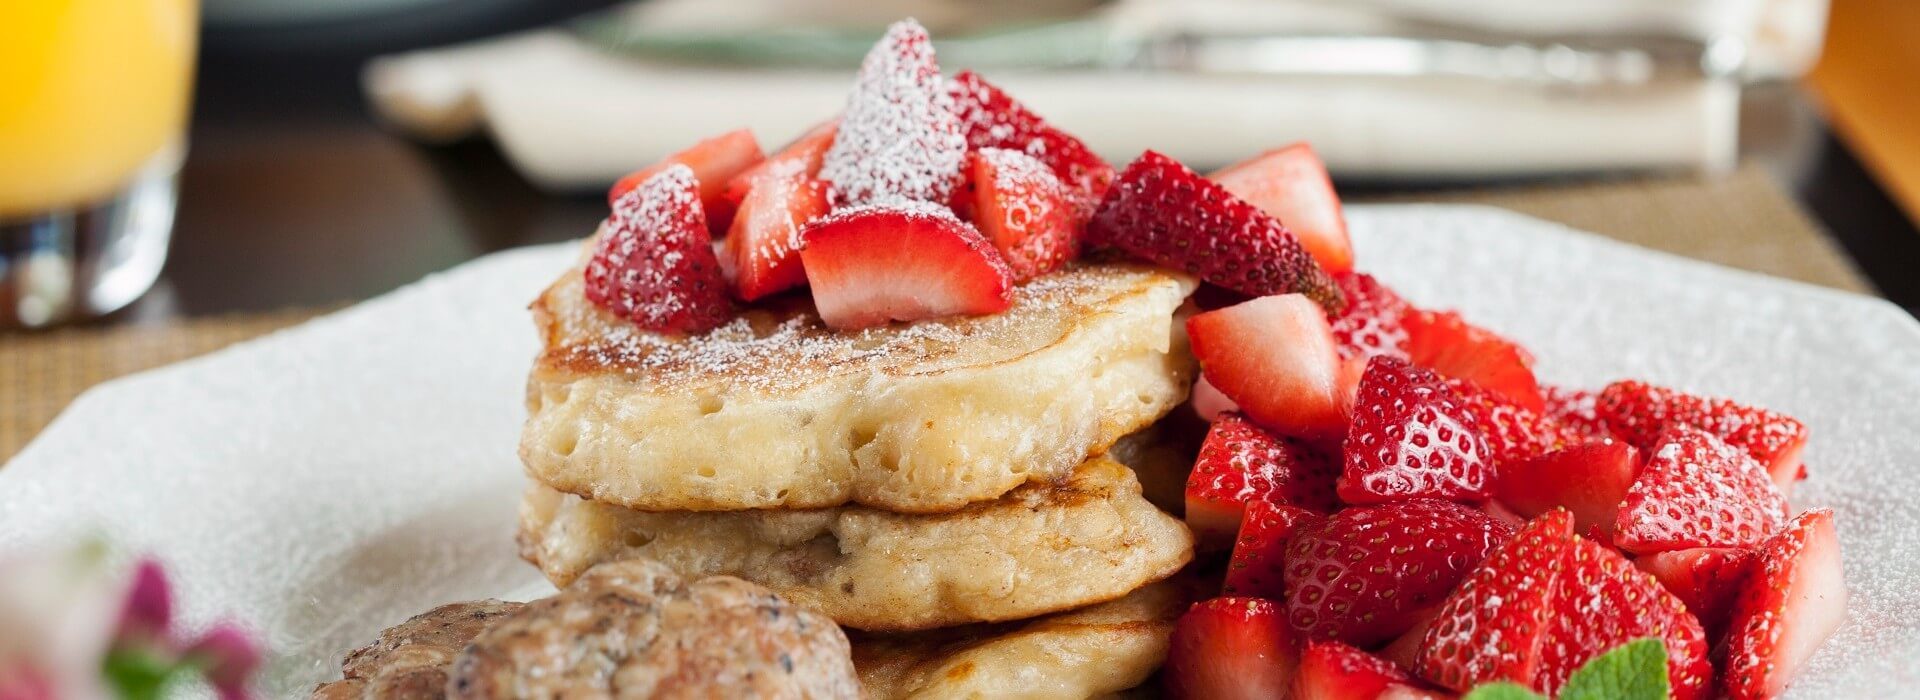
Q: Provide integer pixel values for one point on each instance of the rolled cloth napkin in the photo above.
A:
(571, 115)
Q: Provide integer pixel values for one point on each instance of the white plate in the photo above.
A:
(329, 480)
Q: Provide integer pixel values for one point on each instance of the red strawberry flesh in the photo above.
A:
(1602, 602)
(1367, 574)
(1241, 463)
(1590, 480)
(1022, 207)
(1492, 627)
(1258, 564)
(1335, 671)
(899, 137)
(1706, 579)
(714, 161)
(992, 119)
(1411, 436)
(1371, 325)
(908, 261)
(1231, 649)
(1274, 357)
(803, 155)
(764, 243)
(1697, 491)
(1642, 412)
(1161, 212)
(1794, 599)
(653, 263)
(1291, 185)
(1446, 343)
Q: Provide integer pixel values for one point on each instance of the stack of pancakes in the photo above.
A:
(942, 488)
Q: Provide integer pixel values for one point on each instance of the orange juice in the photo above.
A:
(89, 91)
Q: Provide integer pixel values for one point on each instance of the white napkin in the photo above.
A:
(330, 480)
(570, 117)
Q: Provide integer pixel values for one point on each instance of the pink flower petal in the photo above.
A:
(149, 608)
(229, 656)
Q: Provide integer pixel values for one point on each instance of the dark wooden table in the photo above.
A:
(292, 196)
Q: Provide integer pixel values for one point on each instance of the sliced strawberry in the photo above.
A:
(1492, 627)
(654, 263)
(902, 261)
(1258, 564)
(1163, 213)
(1208, 402)
(1275, 358)
(714, 161)
(1405, 651)
(1706, 579)
(1696, 491)
(1411, 437)
(764, 243)
(1241, 463)
(1602, 602)
(1514, 432)
(803, 155)
(1641, 412)
(1367, 574)
(1576, 411)
(1291, 185)
(1794, 599)
(1590, 480)
(1229, 649)
(899, 138)
(1335, 671)
(1445, 343)
(1371, 325)
(992, 119)
(1022, 207)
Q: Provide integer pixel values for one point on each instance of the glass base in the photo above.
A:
(90, 260)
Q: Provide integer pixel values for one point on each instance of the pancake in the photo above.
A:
(775, 410)
(1091, 652)
(1041, 549)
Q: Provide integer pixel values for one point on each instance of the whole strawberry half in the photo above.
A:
(1444, 342)
(1335, 671)
(1697, 491)
(1024, 209)
(1794, 599)
(1241, 463)
(714, 161)
(1365, 575)
(1161, 212)
(899, 137)
(1371, 325)
(1602, 602)
(1642, 412)
(1258, 564)
(1494, 625)
(993, 119)
(1291, 184)
(1706, 579)
(1411, 437)
(1230, 649)
(904, 261)
(764, 243)
(1274, 358)
(654, 264)
(1590, 480)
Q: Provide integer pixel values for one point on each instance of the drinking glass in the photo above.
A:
(93, 108)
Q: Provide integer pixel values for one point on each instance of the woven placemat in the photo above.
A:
(1743, 220)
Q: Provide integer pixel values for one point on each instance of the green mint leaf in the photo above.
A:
(1502, 690)
(1636, 670)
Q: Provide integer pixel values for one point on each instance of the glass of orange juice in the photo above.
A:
(93, 108)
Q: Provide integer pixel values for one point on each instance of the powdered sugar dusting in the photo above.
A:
(654, 264)
(771, 349)
(899, 136)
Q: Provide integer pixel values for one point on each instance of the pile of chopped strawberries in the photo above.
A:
(1405, 509)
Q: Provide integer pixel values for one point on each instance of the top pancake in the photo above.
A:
(775, 410)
